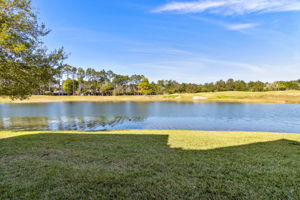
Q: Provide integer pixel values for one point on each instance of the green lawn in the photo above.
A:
(139, 164)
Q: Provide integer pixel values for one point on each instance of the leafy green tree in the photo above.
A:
(160, 87)
(120, 84)
(281, 85)
(92, 80)
(107, 88)
(171, 87)
(134, 81)
(154, 88)
(69, 86)
(102, 77)
(240, 85)
(67, 70)
(285, 85)
(220, 86)
(190, 88)
(59, 73)
(257, 86)
(145, 87)
(208, 87)
(80, 78)
(292, 85)
(230, 85)
(110, 75)
(73, 73)
(25, 63)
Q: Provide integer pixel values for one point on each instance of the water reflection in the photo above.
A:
(67, 123)
(155, 115)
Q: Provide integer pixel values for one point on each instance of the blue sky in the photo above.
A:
(188, 40)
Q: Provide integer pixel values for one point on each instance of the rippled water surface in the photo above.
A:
(155, 115)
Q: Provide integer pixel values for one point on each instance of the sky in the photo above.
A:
(184, 40)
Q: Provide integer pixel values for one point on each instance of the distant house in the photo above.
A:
(58, 93)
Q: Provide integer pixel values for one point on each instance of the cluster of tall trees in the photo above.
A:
(78, 81)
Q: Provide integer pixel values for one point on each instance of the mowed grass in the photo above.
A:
(292, 97)
(282, 97)
(140, 164)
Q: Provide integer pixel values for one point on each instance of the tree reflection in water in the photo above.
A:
(151, 115)
(67, 123)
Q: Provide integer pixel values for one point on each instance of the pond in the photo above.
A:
(151, 115)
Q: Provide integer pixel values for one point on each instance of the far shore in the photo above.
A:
(278, 97)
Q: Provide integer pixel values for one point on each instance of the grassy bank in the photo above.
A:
(140, 164)
(292, 97)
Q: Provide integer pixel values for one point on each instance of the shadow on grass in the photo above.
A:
(120, 166)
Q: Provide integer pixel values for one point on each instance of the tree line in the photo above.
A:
(27, 67)
(70, 80)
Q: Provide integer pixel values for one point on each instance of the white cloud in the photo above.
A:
(231, 7)
(150, 50)
(249, 67)
(228, 26)
(239, 27)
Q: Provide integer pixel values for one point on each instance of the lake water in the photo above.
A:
(153, 115)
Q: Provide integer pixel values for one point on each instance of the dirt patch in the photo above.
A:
(199, 98)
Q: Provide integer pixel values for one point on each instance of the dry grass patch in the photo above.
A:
(235, 97)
